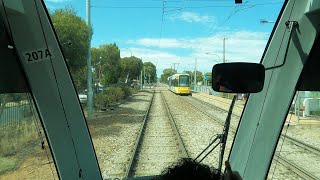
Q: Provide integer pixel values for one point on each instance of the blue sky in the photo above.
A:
(180, 31)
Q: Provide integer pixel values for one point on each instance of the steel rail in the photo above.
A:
(210, 115)
(138, 142)
(236, 106)
(291, 139)
(132, 164)
(295, 168)
(302, 144)
(174, 126)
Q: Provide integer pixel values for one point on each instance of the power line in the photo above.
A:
(163, 4)
(235, 11)
(186, 7)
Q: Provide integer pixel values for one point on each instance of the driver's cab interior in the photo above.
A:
(42, 121)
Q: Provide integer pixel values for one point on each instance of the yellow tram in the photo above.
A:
(179, 84)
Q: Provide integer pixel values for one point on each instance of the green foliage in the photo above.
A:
(17, 137)
(71, 27)
(199, 76)
(128, 91)
(166, 74)
(106, 61)
(80, 78)
(209, 74)
(110, 96)
(151, 72)
(191, 74)
(131, 66)
(7, 164)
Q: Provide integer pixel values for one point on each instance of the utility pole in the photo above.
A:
(89, 69)
(149, 81)
(195, 75)
(174, 67)
(144, 75)
(141, 80)
(224, 50)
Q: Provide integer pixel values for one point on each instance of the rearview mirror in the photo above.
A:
(238, 77)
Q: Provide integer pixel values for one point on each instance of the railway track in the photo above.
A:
(159, 143)
(285, 162)
(289, 138)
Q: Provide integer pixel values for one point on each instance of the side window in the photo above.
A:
(297, 155)
(24, 150)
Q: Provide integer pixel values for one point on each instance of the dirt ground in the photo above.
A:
(33, 163)
(105, 128)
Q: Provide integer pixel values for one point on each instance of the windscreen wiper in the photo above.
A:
(221, 137)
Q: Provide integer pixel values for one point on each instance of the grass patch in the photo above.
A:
(315, 113)
(8, 164)
(15, 143)
(15, 137)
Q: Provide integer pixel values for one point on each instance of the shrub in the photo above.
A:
(127, 91)
(99, 101)
(110, 96)
(115, 94)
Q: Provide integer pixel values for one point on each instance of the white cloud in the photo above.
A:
(192, 17)
(161, 43)
(241, 46)
(57, 1)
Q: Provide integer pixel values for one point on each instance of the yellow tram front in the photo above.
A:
(180, 84)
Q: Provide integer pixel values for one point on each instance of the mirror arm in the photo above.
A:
(218, 137)
(290, 25)
(221, 137)
(225, 132)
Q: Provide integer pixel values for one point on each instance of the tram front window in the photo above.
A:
(118, 112)
(184, 81)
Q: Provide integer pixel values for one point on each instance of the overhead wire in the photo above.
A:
(233, 12)
(186, 7)
(162, 16)
(166, 9)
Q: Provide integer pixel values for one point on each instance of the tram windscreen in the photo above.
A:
(184, 81)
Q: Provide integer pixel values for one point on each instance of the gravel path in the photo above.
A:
(196, 128)
(159, 148)
(290, 151)
(114, 134)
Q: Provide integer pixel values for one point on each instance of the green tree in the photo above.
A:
(209, 74)
(106, 61)
(96, 56)
(199, 76)
(131, 67)
(166, 74)
(191, 76)
(151, 71)
(71, 28)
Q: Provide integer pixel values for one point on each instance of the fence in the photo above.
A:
(203, 89)
(15, 113)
